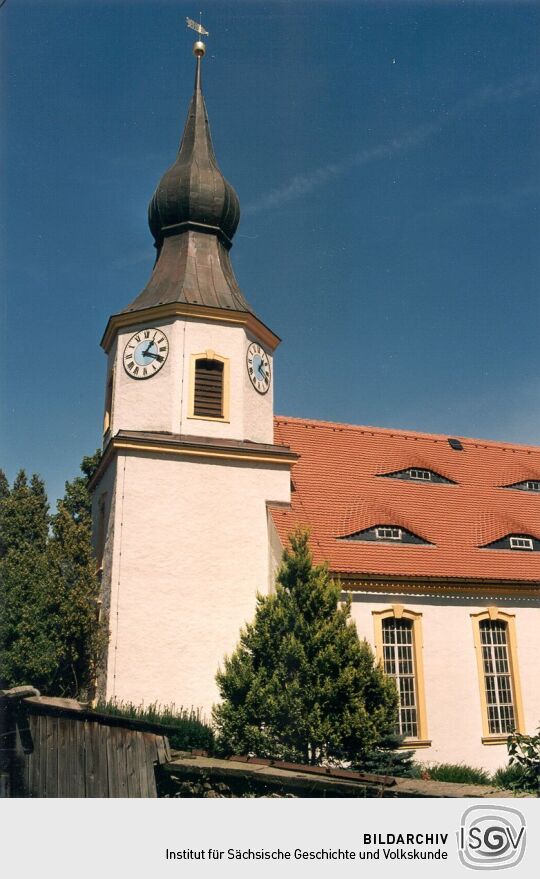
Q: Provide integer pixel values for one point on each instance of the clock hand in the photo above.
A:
(155, 356)
(145, 353)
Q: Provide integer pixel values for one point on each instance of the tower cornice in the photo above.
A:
(158, 313)
(157, 443)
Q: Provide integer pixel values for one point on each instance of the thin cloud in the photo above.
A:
(303, 184)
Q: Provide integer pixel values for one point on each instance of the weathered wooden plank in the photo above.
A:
(168, 755)
(112, 762)
(103, 763)
(92, 754)
(52, 756)
(132, 775)
(121, 739)
(79, 768)
(140, 751)
(63, 761)
(41, 748)
(44, 746)
(161, 752)
(21, 767)
(151, 759)
(34, 786)
(71, 758)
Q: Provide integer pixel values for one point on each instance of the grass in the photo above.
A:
(506, 777)
(459, 773)
(186, 728)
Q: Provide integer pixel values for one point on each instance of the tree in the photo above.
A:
(50, 636)
(300, 685)
(73, 568)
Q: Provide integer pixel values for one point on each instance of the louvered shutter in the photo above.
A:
(208, 400)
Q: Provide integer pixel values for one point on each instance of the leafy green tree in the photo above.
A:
(300, 685)
(50, 636)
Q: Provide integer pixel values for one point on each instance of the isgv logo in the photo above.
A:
(491, 837)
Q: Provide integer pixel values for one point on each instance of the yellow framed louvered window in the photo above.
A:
(209, 391)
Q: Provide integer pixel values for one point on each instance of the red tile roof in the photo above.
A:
(337, 491)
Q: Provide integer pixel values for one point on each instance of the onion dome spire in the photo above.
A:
(193, 216)
(193, 190)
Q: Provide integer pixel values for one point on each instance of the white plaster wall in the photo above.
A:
(191, 551)
(453, 707)
(275, 552)
(250, 413)
(259, 408)
(154, 403)
(108, 489)
(161, 403)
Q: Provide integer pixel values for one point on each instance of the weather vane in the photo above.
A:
(199, 48)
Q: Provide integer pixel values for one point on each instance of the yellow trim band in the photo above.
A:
(480, 590)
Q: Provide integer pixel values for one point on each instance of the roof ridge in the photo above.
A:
(401, 432)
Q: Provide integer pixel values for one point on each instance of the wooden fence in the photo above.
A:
(54, 749)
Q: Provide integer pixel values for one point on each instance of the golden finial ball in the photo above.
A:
(199, 48)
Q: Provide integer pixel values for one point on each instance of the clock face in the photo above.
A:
(145, 353)
(258, 367)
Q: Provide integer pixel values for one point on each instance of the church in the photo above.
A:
(436, 538)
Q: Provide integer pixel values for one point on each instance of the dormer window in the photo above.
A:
(384, 533)
(420, 474)
(521, 543)
(525, 485)
(417, 474)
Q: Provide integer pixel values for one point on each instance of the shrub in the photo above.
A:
(185, 728)
(524, 751)
(510, 778)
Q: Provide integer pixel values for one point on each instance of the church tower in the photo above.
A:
(189, 467)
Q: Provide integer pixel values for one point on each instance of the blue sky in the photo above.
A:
(386, 159)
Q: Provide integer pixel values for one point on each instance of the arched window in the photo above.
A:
(209, 397)
(500, 692)
(398, 645)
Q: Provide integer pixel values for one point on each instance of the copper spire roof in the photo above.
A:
(193, 216)
(193, 189)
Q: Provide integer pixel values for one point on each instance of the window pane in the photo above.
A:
(497, 678)
(398, 662)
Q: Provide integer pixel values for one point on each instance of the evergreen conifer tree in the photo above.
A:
(27, 631)
(49, 632)
(73, 568)
(300, 685)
